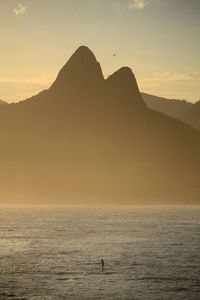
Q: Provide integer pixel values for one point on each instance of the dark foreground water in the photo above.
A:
(54, 253)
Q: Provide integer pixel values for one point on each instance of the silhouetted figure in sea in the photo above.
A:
(102, 264)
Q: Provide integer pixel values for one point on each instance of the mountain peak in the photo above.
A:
(82, 56)
(125, 71)
(82, 69)
(126, 74)
(123, 86)
(84, 51)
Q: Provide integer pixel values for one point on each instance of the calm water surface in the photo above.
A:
(54, 253)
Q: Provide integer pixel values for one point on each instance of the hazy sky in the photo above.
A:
(158, 39)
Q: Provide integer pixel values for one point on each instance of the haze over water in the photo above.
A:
(55, 253)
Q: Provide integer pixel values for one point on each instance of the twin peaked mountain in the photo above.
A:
(91, 140)
(82, 76)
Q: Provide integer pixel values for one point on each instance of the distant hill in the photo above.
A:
(171, 107)
(2, 102)
(192, 116)
(87, 139)
(180, 109)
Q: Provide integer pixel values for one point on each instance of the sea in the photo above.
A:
(150, 252)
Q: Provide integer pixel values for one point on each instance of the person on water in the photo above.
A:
(102, 264)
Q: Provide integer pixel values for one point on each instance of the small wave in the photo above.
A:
(136, 264)
(164, 278)
(62, 273)
(179, 289)
(63, 279)
(66, 273)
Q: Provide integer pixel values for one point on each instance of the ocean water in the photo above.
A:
(54, 253)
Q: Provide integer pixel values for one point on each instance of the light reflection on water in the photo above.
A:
(54, 253)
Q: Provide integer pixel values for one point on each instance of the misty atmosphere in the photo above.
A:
(87, 139)
(99, 150)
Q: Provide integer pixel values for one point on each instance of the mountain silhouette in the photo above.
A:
(2, 102)
(122, 85)
(180, 109)
(87, 139)
(171, 107)
(192, 116)
(83, 70)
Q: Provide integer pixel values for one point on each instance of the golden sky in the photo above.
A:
(158, 39)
